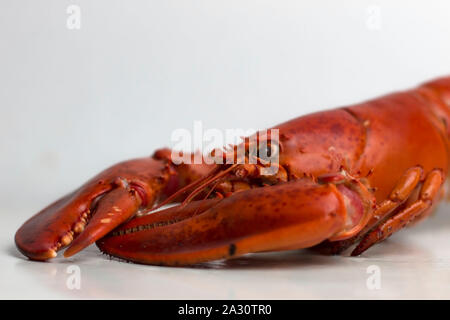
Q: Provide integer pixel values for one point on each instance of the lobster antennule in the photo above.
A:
(206, 183)
(184, 189)
(199, 185)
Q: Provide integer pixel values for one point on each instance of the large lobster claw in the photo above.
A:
(89, 213)
(292, 215)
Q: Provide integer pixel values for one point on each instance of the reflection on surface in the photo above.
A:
(413, 264)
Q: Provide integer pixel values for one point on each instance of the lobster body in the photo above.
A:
(385, 137)
(350, 175)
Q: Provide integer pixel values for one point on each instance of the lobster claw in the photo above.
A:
(114, 208)
(292, 215)
(86, 215)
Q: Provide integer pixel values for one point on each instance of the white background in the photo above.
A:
(73, 102)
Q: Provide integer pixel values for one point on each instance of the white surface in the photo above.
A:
(414, 264)
(73, 102)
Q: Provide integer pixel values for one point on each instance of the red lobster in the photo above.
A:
(348, 176)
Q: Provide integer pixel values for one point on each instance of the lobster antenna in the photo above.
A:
(207, 195)
(184, 189)
(206, 183)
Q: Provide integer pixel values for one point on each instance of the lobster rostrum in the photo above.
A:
(347, 177)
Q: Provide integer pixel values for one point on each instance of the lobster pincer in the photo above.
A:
(103, 203)
(290, 215)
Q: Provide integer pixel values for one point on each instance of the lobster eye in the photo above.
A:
(267, 151)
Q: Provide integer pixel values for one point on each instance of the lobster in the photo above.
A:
(348, 177)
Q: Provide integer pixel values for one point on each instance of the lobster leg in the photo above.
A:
(401, 192)
(296, 214)
(429, 192)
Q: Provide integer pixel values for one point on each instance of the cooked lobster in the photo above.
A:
(348, 177)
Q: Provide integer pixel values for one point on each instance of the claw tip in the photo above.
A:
(72, 250)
